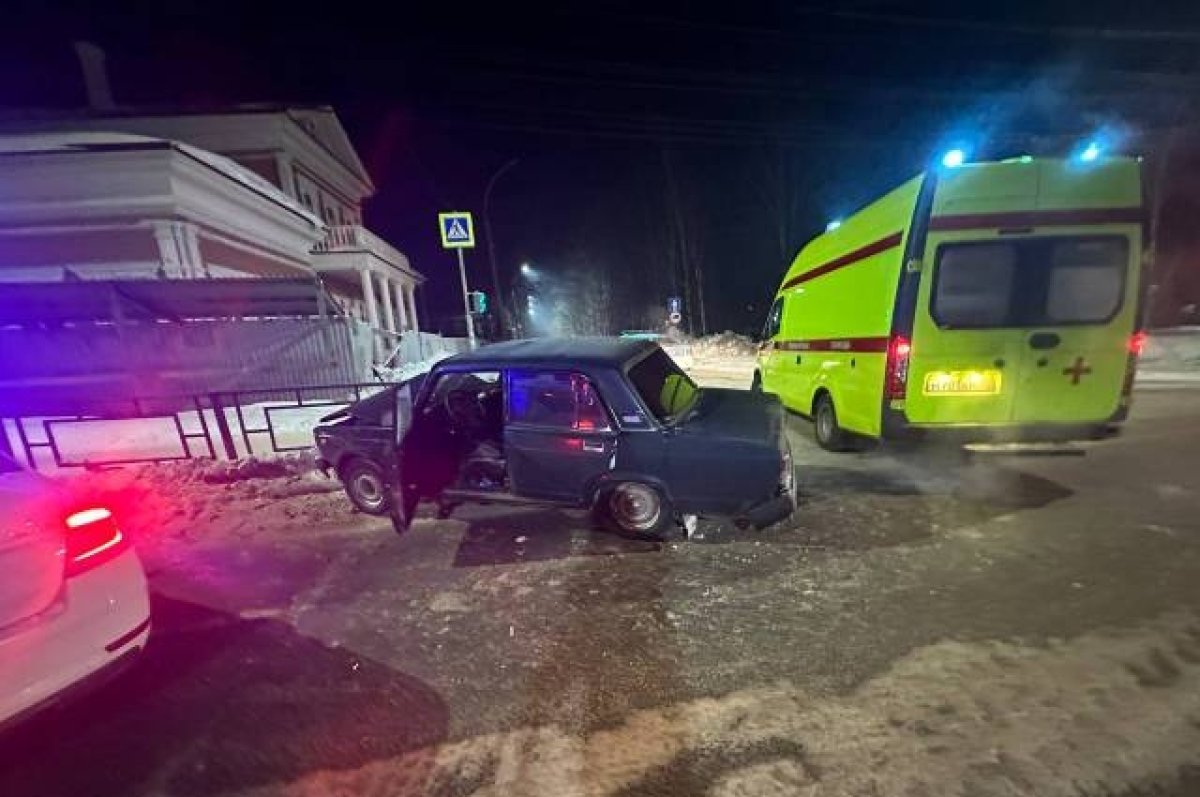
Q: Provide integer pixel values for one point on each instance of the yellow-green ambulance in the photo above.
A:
(992, 301)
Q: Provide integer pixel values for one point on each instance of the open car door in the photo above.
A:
(403, 494)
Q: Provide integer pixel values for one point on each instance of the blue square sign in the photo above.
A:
(458, 231)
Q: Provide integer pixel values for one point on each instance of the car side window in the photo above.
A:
(556, 400)
(774, 320)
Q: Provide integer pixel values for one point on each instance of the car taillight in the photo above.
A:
(92, 539)
(1137, 343)
(896, 379)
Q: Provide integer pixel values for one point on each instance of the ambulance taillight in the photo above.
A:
(896, 382)
(1137, 343)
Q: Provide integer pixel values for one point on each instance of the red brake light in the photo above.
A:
(896, 379)
(1137, 342)
(92, 538)
(87, 517)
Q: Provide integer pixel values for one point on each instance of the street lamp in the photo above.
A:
(527, 271)
(505, 315)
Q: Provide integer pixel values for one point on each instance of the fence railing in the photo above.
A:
(355, 238)
(226, 424)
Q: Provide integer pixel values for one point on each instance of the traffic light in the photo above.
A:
(479, 303)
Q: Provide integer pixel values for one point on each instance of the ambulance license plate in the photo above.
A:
(962, 383)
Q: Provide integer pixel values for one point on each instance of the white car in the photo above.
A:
(74, 607)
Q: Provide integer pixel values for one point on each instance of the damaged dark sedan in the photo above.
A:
(611, 425)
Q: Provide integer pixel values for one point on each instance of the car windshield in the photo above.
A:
(663, 386)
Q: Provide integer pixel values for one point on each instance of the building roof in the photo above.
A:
(555, 352)
(318, 122)
(85, 141)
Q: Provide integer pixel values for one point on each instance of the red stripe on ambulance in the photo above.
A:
(848, 259)
(834, 344)
(1037, 218)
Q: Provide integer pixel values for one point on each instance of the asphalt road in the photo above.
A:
(928, 623)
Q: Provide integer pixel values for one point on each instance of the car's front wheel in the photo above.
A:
(366, 486)
(637, 510)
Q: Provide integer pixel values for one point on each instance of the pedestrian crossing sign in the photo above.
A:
(457, 230)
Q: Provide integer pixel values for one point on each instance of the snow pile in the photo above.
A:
(1104, 713)
(1171, 355)
(724, 346)
(160, 504)
(409, 370)
(724, 360)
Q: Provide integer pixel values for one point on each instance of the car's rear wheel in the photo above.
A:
(366, 486)
(830, 435)
(637, 510)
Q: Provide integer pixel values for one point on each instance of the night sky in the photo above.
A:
(756, 124)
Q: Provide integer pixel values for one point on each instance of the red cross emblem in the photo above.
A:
(1078, 370)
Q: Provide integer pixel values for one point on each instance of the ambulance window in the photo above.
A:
(1086, 280)
(974, 285)
(774, 320)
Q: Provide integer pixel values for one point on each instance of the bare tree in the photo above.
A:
(776, 181)
(580, 303)
(684, 239)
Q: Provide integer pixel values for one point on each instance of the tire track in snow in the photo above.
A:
(1101, 713)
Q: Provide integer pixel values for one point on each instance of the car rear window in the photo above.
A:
(1030, 282)
(665, 388)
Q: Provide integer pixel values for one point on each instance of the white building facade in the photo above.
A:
(135, 194)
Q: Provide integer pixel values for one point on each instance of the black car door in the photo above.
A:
(558, 436)
(404, 495)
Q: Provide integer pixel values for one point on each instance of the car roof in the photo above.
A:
(554, 353)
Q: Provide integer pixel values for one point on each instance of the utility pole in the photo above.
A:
(506, 314)
(462, 273)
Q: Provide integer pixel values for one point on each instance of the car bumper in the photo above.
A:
(1000, 433)
(779, 507)
(99, 623)
(773, 511)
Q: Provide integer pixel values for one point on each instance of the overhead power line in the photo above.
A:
(1078, 32)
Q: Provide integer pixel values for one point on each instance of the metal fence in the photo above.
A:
(230, 424)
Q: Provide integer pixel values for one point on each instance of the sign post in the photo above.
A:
(458, 233)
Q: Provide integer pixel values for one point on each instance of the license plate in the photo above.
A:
(962, 383)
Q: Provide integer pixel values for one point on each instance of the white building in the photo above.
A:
(136, 193)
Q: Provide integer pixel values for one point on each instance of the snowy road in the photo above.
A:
(925, 626)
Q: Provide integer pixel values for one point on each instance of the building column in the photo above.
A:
(368, 289)
(179, 249)
(191, 246)
(169, 256)
(385, 293)
(412, 307)
(401, 308)
(287, 177)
